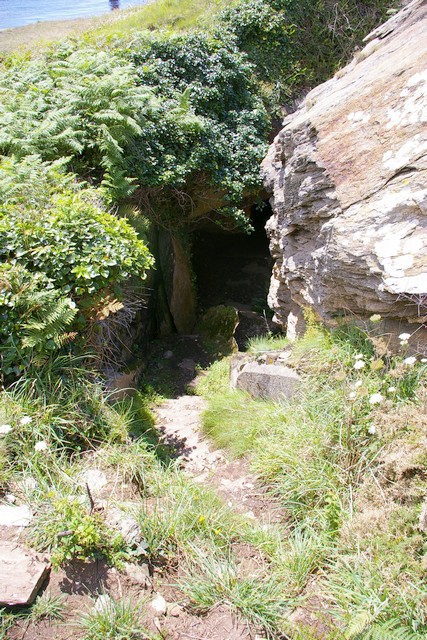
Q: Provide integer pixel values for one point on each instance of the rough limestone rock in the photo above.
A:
(268, 379)
(348, 174)
(15, 516)
(22, 574)
(119, 518)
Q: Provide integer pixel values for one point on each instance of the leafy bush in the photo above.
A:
(211, 79)
(297, 44)
(68, 531)
(60, 252)
(147, 113)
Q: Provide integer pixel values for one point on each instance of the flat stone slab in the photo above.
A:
(267, 381)
(13, 516)
(22, 574)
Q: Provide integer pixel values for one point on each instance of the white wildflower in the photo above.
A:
(358, 384)
(423, 360)
(392, 389)
(404, 336)
(352, 395)
(376, 398)
(5, 428)
(410, 361)
(40, 446)
(372, 430)
(359, 364)
(359, 356)
(25, 420)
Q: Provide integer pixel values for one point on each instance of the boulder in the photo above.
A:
(217, 328)
(348, 175)
(22, 574)
(15, 516)
(267, 380)
(176, 287)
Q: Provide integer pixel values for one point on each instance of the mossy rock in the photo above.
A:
(217, 329)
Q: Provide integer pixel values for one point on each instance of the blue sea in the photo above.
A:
(16, 13)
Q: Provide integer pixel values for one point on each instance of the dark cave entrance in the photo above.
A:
(235, 269)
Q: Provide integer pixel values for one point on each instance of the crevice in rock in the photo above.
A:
(234, 269)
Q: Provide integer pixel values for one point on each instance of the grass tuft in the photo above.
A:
(111, 619)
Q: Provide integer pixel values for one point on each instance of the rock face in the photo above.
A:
(348, 174)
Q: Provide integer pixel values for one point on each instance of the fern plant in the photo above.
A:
(60, 252)
(364, 626)
(47, 326)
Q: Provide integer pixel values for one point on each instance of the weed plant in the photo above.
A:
(216, 580)
(323, 454)
(269, 342)
(113, 620)
(47, 607)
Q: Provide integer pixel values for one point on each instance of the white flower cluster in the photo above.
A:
(404, 337)
(41, 445)
(376, 398)
(5, 428)
(359, 362)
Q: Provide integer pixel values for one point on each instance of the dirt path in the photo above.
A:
(179, 421)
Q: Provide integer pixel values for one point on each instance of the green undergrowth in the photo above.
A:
(346, 457)
(55, 429)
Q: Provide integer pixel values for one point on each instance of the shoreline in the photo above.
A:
(46, 31)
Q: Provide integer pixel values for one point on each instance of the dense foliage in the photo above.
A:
(60, 252)
(148, 113)
(178, 123)
(296, 44)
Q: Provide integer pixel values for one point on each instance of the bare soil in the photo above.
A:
(178, 420)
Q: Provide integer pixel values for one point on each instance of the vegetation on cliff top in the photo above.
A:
(176, 123)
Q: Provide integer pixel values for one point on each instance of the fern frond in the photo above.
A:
(51, 328)
(363, 627)
(390, 630)
(65, 338)
(359, 624)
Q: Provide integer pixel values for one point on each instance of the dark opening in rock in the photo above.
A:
(234, 269)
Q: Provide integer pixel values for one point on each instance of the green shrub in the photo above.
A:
(61, 254)
(68, 532)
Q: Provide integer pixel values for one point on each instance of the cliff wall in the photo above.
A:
(348, 178)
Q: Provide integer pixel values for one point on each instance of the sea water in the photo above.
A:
(16, 13)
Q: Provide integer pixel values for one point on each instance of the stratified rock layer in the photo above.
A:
(348, 174)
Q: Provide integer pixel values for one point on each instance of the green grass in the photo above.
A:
(322, 455)
(171, 16)
(260, 599)
(113, 620)
(180, 513)
(47, 607)
(260, 344)
(348, 475)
